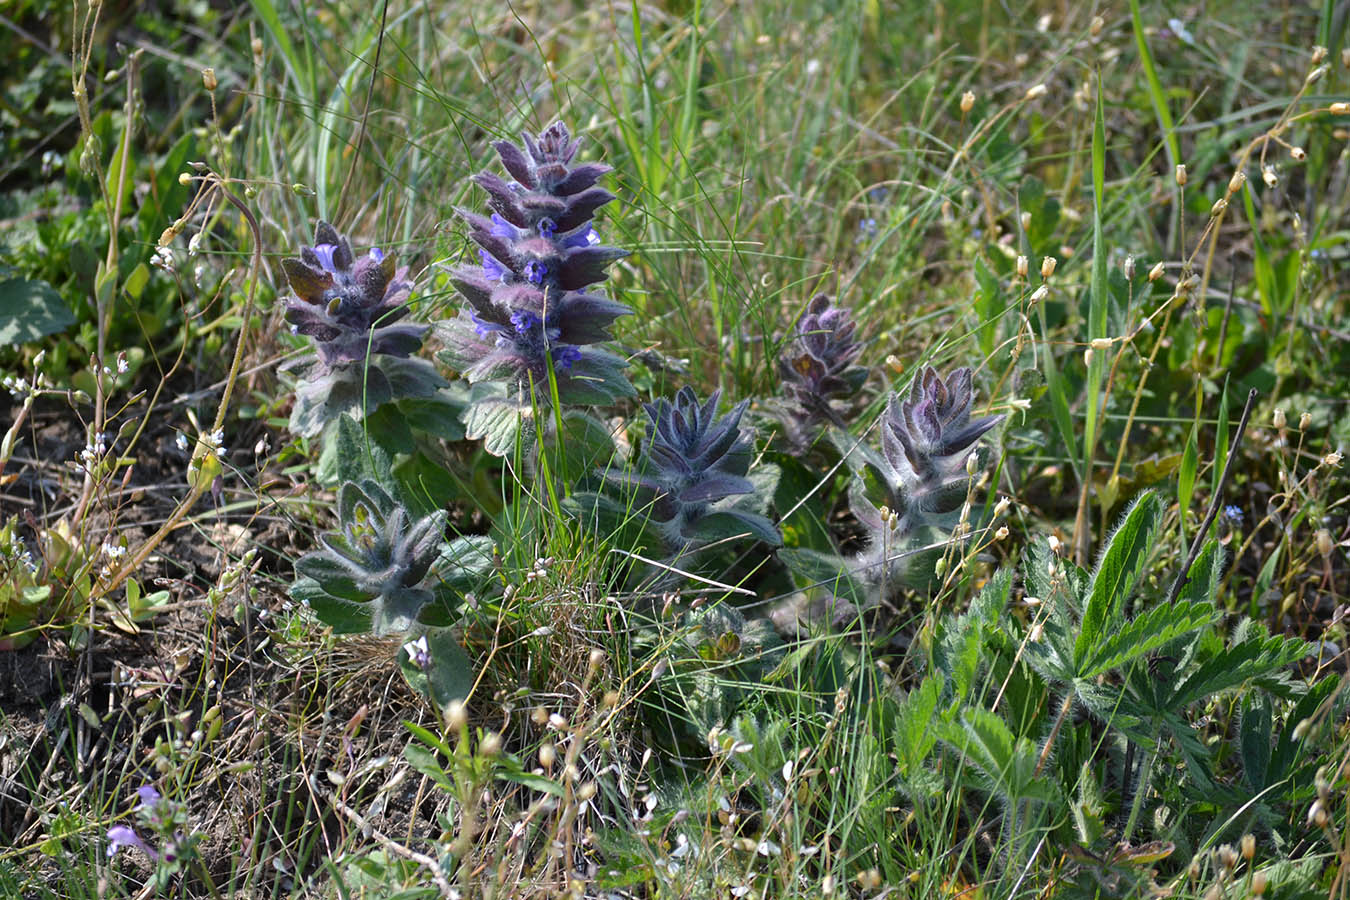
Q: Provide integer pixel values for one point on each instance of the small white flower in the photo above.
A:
(418, 652)
(162, 259)
(181, 441)
(122, 364)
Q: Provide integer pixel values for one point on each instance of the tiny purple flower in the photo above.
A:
(547, 228)
(492, 270)
(120, 836)
(376, 254)
(565, 356)
(535, 272)
(325, 254)
(526, 322)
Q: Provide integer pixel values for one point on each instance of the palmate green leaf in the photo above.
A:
(1116, 573)
(1144, 634)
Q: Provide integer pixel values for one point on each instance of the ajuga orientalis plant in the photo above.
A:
(926, 440)
(691, 466)
(921, 474)
(534, 317)
(353, 308)
(819, 372)
(373, 573)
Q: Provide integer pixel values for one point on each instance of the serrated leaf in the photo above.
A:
(1144, 634)
(496, 423)
(1255, 658)
(1117, 571)
(915, 736)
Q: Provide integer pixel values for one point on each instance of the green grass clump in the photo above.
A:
(1017, 568)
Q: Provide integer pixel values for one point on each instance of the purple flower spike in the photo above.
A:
(541, 263)
(349, 306)
(818, 371)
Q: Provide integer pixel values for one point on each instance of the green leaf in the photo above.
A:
(989, 306)
(450, 674)
(424, 761)
(357, 457)
(332, 576)
(495, 422)
(731, 524)
(1255, 737)
(1257, 657)
(343, 616)
(957, 646)
(915, 736)
(1116, 572)
(1146, 633)
(1190, 461)
(30, 310)
(1099, 290)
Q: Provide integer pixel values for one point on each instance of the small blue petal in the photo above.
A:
(377, 254)
(325, 254)
(565, 356)
(492, 270)
(535, 272)
(503, 229)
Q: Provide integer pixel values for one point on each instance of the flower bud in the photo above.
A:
(967, 101)
(597, 659)
(1156, 272)
(1129, 268)
(185, 178)
(300, 190)
(1022, 264)
(1319, 54)
(1237, 181)
(1316, 75)
(1087, 356)
(1181, 174)
(1340, 109)
(1040, 294)
(209, 79)
(972, 464)
(1324, 543)
(1037, 90)
(456, 716)
(1278, 419)
(1304, 421)
(547, 755)
(491, 744)
(1048, 266)
(1101, 343)
(1260, 881)
(1219, 206)
(257, 46)
(1025, 219)
(1248, 846)
(1096, 26)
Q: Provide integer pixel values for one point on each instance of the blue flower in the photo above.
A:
(1233, 514)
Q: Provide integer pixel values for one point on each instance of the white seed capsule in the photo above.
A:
(1304, 421)
(1269, 177)
(967, 101)
(1219, 206)
(1037, 90)
(1237, 181)
(1181, 175)
(1040, 294)
(1340, 109)
(1022, 264)
(209, 79)
(1156, 272)
(1048, 266)
(1278, 419)
(1298, 153)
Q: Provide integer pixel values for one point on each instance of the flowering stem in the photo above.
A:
(200, 485)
